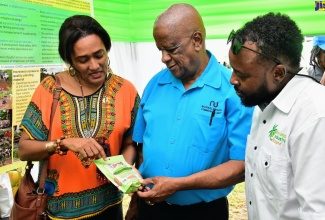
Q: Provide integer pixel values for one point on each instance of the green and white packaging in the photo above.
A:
(120, 173)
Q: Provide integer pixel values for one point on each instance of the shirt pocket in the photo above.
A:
(272, 175)
(208, 133)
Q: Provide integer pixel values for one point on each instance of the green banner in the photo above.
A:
(28, 52)
(29, 30)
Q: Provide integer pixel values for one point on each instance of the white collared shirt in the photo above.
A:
(285, 155)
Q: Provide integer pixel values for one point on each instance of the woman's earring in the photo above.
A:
(72, 72)
(108, 65)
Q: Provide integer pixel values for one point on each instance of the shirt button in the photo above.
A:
(179, 118)
(250, 202)
(266, 163)
(264, 121)
(172, 142)
(251, 174)
(255, 148)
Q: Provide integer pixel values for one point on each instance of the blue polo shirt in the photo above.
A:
(186, 131)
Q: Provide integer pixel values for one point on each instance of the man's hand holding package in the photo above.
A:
(162, 188)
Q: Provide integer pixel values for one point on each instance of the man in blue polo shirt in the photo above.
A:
(192, 125)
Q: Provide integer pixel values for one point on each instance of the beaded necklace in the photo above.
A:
(88, 132)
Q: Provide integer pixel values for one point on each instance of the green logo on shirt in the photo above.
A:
(276, 136)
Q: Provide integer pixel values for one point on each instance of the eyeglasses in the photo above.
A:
(237, 45)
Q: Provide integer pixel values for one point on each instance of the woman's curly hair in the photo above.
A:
(276, 35)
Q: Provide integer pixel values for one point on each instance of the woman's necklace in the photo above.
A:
(88, 131)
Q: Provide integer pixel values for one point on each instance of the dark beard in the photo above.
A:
(260, 96)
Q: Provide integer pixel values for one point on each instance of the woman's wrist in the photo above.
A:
(53, 147)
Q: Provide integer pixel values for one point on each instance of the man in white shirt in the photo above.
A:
(284, 168)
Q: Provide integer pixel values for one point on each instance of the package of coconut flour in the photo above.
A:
(120, 173)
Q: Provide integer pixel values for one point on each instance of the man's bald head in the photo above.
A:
(183, 18)
(180, 36)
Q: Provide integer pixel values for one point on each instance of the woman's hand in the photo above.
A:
(87, 147)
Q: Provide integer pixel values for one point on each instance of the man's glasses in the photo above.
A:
(237, 45)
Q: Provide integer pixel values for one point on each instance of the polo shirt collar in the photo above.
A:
(290, 93)
(209, 76)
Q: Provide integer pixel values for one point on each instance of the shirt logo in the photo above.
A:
(276, 136)
(319, 5)
(212, 107)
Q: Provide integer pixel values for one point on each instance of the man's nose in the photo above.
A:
(165, 56)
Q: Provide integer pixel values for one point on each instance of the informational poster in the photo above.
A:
(28, 51)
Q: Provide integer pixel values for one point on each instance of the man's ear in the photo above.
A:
(198, 40)
(279, 73)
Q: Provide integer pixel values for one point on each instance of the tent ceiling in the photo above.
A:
(132, 20)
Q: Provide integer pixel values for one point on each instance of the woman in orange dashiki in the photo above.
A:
(94, 119)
